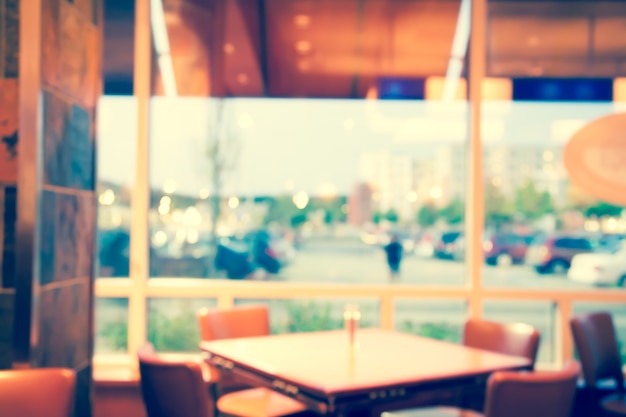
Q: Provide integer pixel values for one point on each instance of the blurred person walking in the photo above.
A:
(393, 250)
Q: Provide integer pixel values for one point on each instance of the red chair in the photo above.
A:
(37, 392)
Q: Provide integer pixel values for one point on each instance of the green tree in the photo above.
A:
(532, 203)
(498, 209)
(298, 220)
(427, 215)
(333, 208)
(454, 212)
(602, 209)
(391, 215)
(282, 211)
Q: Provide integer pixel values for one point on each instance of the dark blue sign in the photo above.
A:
(563, 89)
(401, 88)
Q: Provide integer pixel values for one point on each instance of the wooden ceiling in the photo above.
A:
(341, 48)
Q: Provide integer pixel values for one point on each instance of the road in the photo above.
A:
(353, 262)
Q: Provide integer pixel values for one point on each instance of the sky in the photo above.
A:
(291, 145)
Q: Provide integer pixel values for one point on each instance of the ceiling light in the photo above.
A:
(302, 20)
(303, 46)
(304, 65)
(532, 41)
(229, 48)
(242, 78)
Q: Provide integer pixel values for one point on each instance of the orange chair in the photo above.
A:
(519, 394)
(241, 321)
(244, 321)
(48, 392)
(596, 343)
(233, 397)
(517, 339)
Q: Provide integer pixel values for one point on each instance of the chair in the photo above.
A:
(517, 339)
(596, 343)
(37, 392)
(172, 389)
(241, 321)
(519, 394)
(235, 398)
(244, 321)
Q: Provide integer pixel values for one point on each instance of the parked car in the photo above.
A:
(274, 245)
(606, 266)
(234, 257)
(446, 246)
(554, 253)
(503, 249)
(240, 256)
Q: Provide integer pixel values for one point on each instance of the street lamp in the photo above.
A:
(300, 200)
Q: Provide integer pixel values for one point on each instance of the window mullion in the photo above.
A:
(139, 259)
(475, 206)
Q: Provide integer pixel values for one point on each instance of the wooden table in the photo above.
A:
(383, 370)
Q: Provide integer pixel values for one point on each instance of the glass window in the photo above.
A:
(111, 322)
(117, 136)
(172, 323)
(443, 320)
(314, 187)
(303, 219)
(309, 315)
(551, 169)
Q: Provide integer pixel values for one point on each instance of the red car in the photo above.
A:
(553, 254)
(505, 249)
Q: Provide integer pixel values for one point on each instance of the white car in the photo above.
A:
(600, 268)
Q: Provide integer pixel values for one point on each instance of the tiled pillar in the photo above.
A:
(60, 45)
(9, 26)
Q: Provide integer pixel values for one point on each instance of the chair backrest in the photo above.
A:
(37, 392)
(172, 388)
(518, 339)
(243, 321)
(596, 343)
(535, 394)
